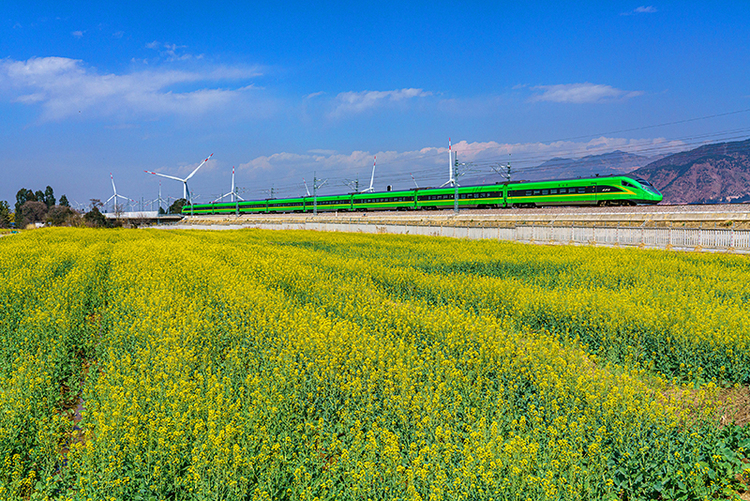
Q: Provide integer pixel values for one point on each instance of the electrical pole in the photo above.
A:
(456, 175)
(503, 170)
(315, 193)
(354, 185)
(455, 186)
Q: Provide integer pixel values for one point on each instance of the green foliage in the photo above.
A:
(49, 196)
(22, 196)
(177, 205)
(64, 201)
(95, 218)
(33, 213)
(5, 215)
(346, 366)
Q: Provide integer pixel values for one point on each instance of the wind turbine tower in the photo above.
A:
(452, 160)
(233, 193)
(372, 177)
(115, 196)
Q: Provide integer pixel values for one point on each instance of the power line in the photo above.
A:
(695, 119)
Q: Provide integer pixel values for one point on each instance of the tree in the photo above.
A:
(94, 217)
(4, 214)
(64, 201)
(32, 212)
(49, 196)
(177, 205)
(59, 215)
(22, 196)
(39, 196)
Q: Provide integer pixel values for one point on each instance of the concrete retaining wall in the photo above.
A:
(663, 238)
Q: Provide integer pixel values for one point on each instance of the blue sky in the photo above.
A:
(288, 89)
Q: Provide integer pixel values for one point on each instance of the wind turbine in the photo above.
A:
(232, 193)
(115, 196)
(305, 183)
(185, 190)
(372, 178)
(159, 200)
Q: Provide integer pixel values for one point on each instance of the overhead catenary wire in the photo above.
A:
(523, 163)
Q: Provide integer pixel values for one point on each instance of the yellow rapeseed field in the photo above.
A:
(140, 365)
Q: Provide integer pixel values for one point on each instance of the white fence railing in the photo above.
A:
(727, 239)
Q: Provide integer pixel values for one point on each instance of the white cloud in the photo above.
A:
(356, 102)
(77, 34)
(65, 87)
(641, 10)
(581, 93)
(172, 52)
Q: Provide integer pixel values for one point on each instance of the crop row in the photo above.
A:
(288, 365)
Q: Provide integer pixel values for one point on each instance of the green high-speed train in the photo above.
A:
(605, 190)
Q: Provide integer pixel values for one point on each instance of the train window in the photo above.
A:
(536, 192)
(528, 193)
(553, 191)
(581, 189)
(545, 192)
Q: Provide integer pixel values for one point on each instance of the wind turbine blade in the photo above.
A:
(222, 197)
(164, 175)
(201, 165)
(113, 183)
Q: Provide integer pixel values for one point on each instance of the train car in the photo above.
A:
(606, 190)
(609, 190)
(389, 200)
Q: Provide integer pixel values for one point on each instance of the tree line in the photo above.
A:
(42, 207)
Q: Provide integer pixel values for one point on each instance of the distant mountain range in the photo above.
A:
(714, 173)
(607, 164)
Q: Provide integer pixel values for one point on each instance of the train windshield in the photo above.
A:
(647, 186)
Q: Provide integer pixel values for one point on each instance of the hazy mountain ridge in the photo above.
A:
(713, 173)
(607, 164)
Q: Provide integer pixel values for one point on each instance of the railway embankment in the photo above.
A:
(700, 228)
(679, 216)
